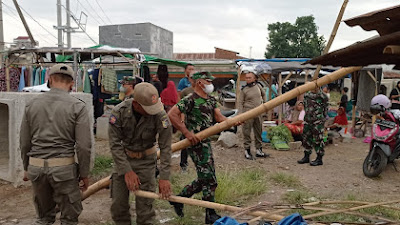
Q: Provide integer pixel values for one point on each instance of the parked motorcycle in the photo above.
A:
(385, 144)
(230, 114)
(227, 91)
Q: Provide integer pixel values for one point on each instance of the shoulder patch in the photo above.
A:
(165, 121)
(113, 119)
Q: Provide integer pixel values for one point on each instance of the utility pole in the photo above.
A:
(1, 27)
(59, 24)
(68, 28)
(1, 33)
(24, 22)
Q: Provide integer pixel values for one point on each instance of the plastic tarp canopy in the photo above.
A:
(279, 65)
(256, 67)
(149, 58)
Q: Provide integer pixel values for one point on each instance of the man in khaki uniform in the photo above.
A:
(134, 125)
(252, 96)
(127, 85)
(55, 126)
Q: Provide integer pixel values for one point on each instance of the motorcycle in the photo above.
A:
(227, 91)
(385, 144)
(230, 114)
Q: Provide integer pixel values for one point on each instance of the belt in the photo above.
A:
(53, 162)
(141, 155)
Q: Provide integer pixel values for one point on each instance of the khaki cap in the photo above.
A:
(147, 96)
(62, 69)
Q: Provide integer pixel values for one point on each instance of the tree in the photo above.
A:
(298, 40)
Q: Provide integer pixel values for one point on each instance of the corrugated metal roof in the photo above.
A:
(385, 21)
(363, 53)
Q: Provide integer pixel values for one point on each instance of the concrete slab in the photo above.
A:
(12, 106)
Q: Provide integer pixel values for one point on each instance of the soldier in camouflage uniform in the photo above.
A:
(201, 112)
(316, 107)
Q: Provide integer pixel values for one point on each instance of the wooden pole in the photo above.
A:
(7, 75)
(286, 78)
(270, 97)
(353, 116)
(244, 116)
(350, 209)
(266, 106)
(238, 87)
(332, 37)
(105, 182)
(280, 109)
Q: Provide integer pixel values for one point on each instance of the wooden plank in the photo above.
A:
(8, 75)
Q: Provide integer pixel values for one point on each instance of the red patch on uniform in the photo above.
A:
(113, 119)
(154, 99)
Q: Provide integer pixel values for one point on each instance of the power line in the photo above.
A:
(95, 11)
(103, 11)
(34, 20)
(89, 12)
(20, 26)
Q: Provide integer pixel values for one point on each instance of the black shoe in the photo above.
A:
(178, 207)
(211, 216)
(248, 154)
(261, 154)
(317, 161)
(305, 159)
(157, 172)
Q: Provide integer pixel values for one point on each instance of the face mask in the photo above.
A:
(122, 89)
(208, 88)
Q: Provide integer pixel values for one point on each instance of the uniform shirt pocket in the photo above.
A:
(63, 173)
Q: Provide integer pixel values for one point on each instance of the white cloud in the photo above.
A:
(198, 26)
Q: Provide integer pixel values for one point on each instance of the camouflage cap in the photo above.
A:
(127, 80)
(203, 75)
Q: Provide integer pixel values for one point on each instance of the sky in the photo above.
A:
(198, 26)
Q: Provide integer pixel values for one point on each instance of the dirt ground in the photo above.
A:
(340, 176)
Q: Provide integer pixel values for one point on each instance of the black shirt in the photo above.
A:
(343, 101)
(394, 105)
(158, 86)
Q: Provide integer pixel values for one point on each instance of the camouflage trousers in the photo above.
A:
(313, 137)
(206, 181)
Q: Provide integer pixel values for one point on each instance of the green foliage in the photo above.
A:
(284, 179)
(298, 40)
(281, 131)
(102, 165)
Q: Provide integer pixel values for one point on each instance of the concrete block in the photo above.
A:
(12, 106)
(102, 128)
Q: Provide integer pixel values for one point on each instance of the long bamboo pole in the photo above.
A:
(105, 182)
(333, 35)
(239, 74)
(350, 209)
(7, 75)
(243, 117)
(280, 109)
(266, 106)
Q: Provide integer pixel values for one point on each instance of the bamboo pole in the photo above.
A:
(206, 204)
(286, 78)
(244, 117)
(350, 209)
(333, 35)
(269, 97)
(266, 106)
(238, 87)
(280, 109)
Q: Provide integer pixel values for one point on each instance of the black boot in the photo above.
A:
(317, 161)
(261, 154)
(178, 207)
(248, 154)
(305, 159)
(211, 216)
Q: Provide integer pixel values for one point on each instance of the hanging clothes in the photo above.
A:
(79, 79)
(33, 73)
(109, 81)
(86, 82)
(37, 76)
(14, 79)
(22, 79)
(43, 76)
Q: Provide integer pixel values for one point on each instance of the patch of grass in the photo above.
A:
(102, 165)
(297, 197)
(236, 187)
(385, 212)
(285, 179)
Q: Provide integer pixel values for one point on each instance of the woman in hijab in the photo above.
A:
(169, 96)
(340, 120)
(296, 119)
